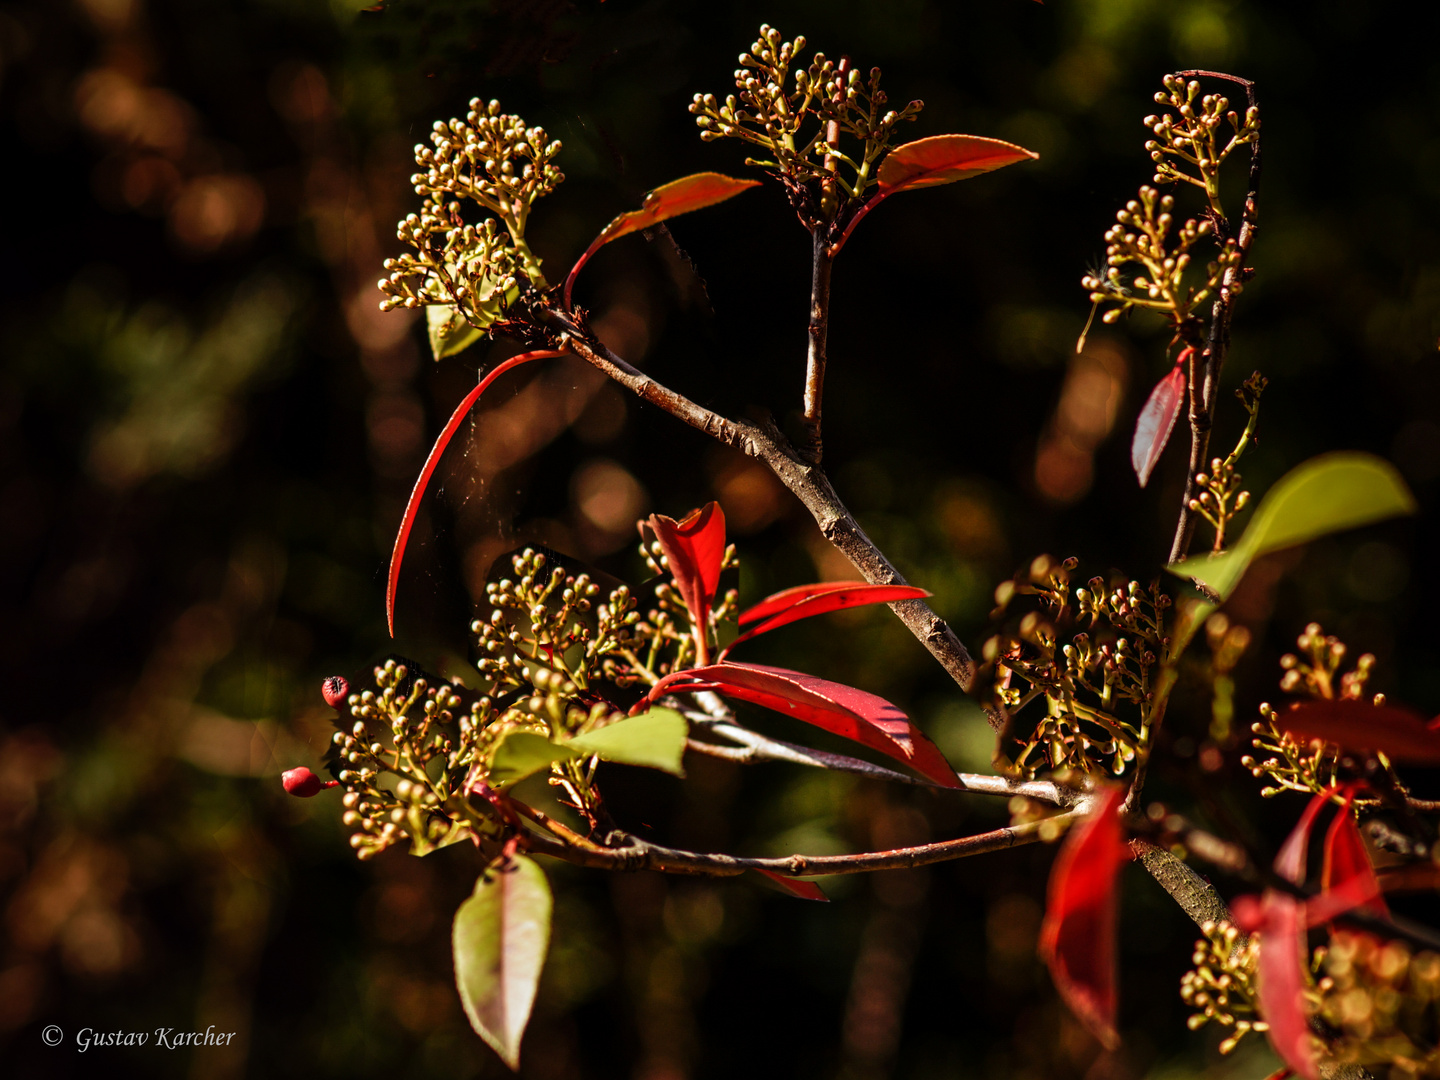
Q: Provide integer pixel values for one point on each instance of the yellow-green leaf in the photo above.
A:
(520, 753)
(499, 939)
(1326, 494)
(654, 739)
(449, 333)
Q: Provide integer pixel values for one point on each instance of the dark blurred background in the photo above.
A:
(208, 430)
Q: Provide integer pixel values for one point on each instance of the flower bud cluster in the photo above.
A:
(799, 120)
(1187, 134)
(1221, 985)
(1220, 499)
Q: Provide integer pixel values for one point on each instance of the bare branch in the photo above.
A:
(822, 262)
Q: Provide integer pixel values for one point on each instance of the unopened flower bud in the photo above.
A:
(335, 690)
(303, 783)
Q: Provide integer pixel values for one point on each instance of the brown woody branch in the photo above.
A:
(821, 264)
(1205, 367)
(807, 481)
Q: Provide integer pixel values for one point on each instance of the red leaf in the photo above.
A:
(805, 890)
(1281, 981)
(1346, 859)
(841, 710)
(944, 159)
(694, 548)
(1156, 421)
(1357, 725)
(397, 555)
(1077, 939)
(803, 601)
(1290, 862)
(667, 201)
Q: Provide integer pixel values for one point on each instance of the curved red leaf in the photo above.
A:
(1156, 421)
(805, 890)
(805, 601)
(666, 201)
(397, 554)
(1290, 862)
(1346, 860)
(694, 548)
(1357, 725)
(1281, 980)
(841, 710)
(944, 159)
(1077, 939)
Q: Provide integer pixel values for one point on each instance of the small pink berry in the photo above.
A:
(335, 690)
(303, 783)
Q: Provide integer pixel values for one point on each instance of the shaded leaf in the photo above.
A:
(1290, 861)
(694, 548)
(805, 890)
(654, 739)
(412, 507)
(1346, 860)
(805, 601)
(1325, 494)
(448, 331)
(666, 201)
(518, 754)
(499, 939)
(1156, 422)
(1077, 938)
(1358, 725)
(944, 159)
(841, 710)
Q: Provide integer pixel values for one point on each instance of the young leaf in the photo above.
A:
(397, 555)
(1077, 938)
(1290, 861)
(1325, 494)
(448, 331)
(805, 890)
(944, 159)
(520, 753)
(1156, 421)
(1346, 859)
(805, 601)
(500, 937)
(667, 201)
(1358, 725)
(842, 710)
(1279, 919)
(694, 548)
(654, 739)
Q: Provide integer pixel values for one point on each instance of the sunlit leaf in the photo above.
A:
(944, 159)
(655, 739)
(1346, 859)
(412, 507)
(805, 890)
(448, 331)
(1156, 422)
(694, 548)
(841, 710)
(500, 937)
(666, 201)
(1280, 921)
(1358, 725)
(1326, 494)
(805, 601)
(1077, 938)
(518, 754)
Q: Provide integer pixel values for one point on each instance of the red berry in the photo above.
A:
(303, 783)
(335, 690)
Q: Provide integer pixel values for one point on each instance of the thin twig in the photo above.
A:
(1205, 369)
(821, 263)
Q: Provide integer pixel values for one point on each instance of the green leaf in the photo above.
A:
(520, 753)
(500, 936)
(654, 739)
(1326, 494)
(449, 333)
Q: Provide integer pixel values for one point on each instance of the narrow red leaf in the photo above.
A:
(1290, 862)
(805, 601)
(666, 201)
(944, 159)
(1357, 725)
(841, 710)
(397, 555)
(805, 890)
(694, 548)
(1156, 421)
(1077, 939)
(1281, 980)
(1347, 860)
